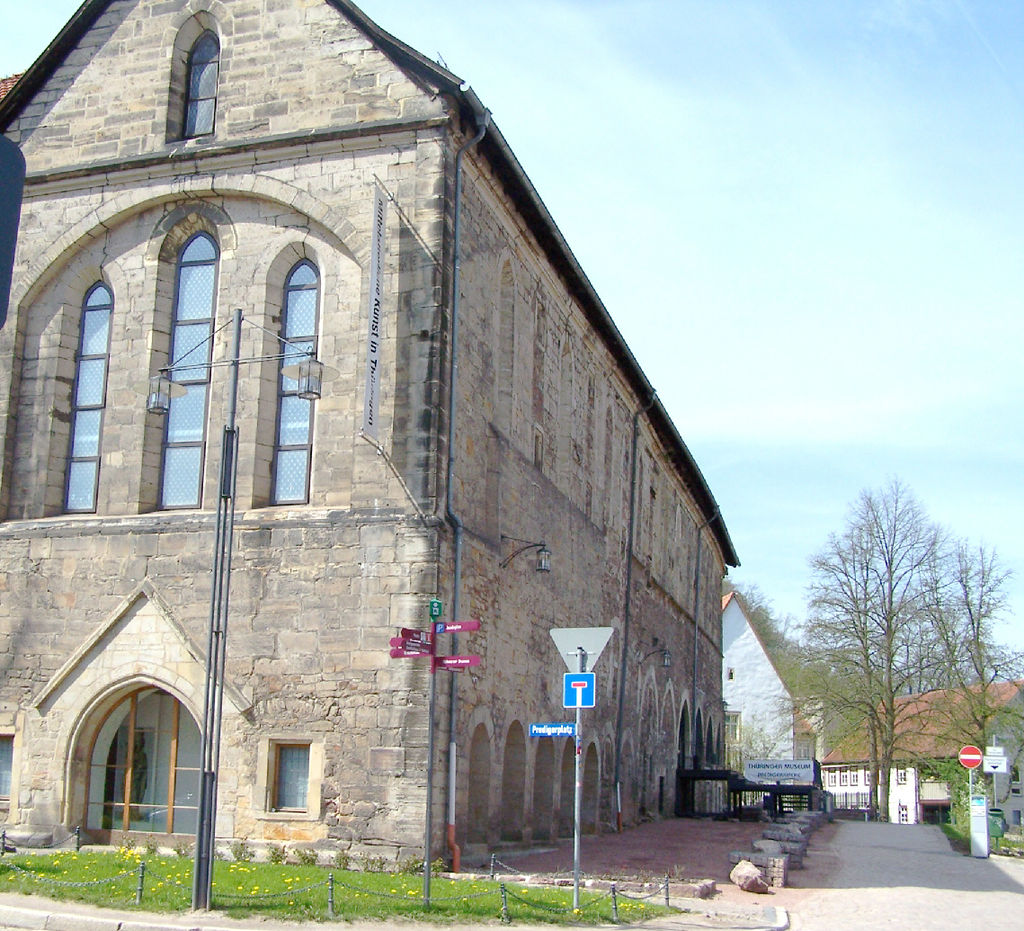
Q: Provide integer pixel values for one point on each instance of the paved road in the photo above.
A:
(905, 876)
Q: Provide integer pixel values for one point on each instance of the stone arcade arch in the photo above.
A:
(566, 786)
(591, 780)
(479, 786)
(684, 788)
(513, 783)
(543, 789)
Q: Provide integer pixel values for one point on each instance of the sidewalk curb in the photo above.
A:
(46, 919)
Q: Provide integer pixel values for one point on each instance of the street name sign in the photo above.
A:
(970, 756)
(555, 729)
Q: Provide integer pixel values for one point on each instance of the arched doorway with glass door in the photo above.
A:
(143, 768)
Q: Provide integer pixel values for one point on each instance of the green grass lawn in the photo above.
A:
(300, 892)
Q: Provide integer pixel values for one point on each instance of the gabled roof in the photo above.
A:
(925, 725)
(517, 185)
(738, 598)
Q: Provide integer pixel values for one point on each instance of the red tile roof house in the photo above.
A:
(933, 726)
(7, 83)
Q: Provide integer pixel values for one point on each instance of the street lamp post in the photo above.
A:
(309, 374)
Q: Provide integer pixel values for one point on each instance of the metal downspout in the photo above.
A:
(483, 117)
(627, 611)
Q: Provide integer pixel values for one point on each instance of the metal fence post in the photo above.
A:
(142, 881)
(493, 856)
(615, 905)
(78, 839)
(330, 895)
(504, 905)
(666, 890)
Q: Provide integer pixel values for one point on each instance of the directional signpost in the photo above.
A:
(412, 643)
(579, 646)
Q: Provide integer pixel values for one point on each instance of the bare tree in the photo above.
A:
(868, 597)
(966, 596)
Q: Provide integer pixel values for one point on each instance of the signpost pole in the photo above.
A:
(430, 783)
(578, 799)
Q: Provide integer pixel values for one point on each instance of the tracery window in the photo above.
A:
(191, 331)
(201, 90)
(88, 400)
(294, 441)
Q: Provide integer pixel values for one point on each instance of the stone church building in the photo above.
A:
(480, 419)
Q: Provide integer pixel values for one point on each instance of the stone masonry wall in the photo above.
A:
(310, 119)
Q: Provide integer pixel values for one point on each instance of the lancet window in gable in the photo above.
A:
(88, 400)
(191, 336)
(294, 441)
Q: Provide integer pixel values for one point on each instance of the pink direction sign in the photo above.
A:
(456, 627)
(970, 756)
(402, 653)
(456, 662)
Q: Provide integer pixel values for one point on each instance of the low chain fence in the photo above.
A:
(506, 892)
(74, 839)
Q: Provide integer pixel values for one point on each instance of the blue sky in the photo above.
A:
(804, 217)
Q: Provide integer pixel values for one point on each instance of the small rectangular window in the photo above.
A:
(844, 777)
(901, 777)
(6, 761)
(291, 777)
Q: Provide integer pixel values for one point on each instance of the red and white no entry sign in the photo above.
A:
(970, 756)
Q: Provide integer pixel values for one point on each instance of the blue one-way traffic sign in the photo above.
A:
(579, 690)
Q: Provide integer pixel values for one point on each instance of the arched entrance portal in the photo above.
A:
(144, 767)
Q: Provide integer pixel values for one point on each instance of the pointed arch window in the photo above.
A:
(191, 332)
(201, 89)
(294, 441)
(88, 400)
(144, 769)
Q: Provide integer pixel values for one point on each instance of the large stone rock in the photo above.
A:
(748, 877)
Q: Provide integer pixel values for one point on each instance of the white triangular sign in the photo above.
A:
(569, 640)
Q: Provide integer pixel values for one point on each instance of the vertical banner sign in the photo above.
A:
(371, 408)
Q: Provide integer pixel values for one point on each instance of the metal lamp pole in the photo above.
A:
(308, 375)
(202, 878)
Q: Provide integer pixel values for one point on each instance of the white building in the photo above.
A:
(759, 717)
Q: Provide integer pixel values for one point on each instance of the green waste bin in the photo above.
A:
(996, 823)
